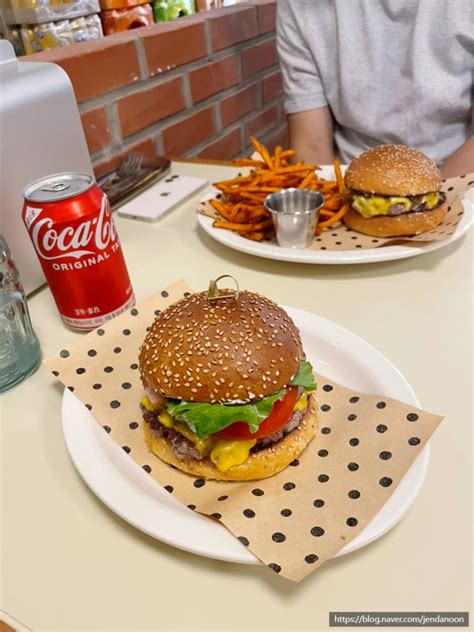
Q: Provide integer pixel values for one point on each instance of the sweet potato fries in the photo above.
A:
(241, 203)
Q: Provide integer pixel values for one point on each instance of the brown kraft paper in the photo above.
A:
(299, 518)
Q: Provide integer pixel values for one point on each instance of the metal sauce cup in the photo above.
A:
(295, 215)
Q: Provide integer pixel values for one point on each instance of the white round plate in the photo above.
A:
(132, 494)
(387, 253)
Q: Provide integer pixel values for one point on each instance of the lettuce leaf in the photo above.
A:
(304, 377)
(205, 419)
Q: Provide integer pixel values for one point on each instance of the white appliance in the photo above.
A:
(40, 134)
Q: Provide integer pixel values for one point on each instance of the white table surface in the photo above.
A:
(68, 563)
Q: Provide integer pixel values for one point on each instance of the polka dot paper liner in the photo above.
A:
(340, 237)
(294, 521)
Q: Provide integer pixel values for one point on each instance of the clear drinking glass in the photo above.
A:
(20, 352)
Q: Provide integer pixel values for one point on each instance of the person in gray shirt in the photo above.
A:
(358, 73)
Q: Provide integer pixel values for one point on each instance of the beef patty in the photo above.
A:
(185, 449)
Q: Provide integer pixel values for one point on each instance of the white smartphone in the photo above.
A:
(160, 199)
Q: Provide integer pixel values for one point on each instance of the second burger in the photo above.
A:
(228, 389)
(394, 191)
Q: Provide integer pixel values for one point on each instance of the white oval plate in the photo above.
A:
(387, 253)
(132, 494)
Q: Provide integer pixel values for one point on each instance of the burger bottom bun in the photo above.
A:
(259, 465)
(396, 225)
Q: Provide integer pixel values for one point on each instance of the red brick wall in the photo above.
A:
(198, 86)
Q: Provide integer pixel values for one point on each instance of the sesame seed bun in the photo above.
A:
(222, 351)
(393, 170)
(262, 464)
(396, 225)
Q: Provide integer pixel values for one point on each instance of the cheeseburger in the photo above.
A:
(228, 390)
(394, 191)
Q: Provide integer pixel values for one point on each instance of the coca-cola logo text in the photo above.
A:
(75, 241)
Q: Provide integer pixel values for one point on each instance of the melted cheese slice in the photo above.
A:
(203, 445)
(378, 205)
(301, 403)
(226, 454)
(146, 403)
(431, 199)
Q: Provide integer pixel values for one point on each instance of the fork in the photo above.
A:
(130, 165)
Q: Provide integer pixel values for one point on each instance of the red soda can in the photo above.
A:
(70, 223)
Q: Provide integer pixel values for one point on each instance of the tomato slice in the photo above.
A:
(281, 412)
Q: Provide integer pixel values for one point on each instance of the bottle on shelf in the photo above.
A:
(207, 5)
(79, 30)
(29, 4)
(38, 37)
(164, 10)
(94, 26)
(118, 20)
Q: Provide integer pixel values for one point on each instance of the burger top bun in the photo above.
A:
(220, 351)
(393, 170)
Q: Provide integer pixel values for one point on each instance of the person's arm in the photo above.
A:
(306, 106)
(311, 136)
(461, 161)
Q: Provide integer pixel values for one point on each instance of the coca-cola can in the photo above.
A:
(70, 223)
